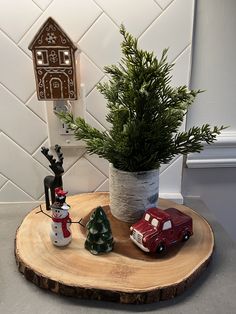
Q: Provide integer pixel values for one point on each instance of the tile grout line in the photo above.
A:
(90, 26)
(36, 114)
(19, 146)
(158, 5)
(5, 183)
(96, 120)
(149, 25)
(12, 182)
(95, 165)
(34, 152)
(11, 92)
(173, 161)
(77, 159)
(164, 10)
(31, 96)
(180, 54)
(107, 14)
(23, 104)
(91, 60)
(12, 41)
(95, 86)
(28, 30)
(100, 185)
(37, 5)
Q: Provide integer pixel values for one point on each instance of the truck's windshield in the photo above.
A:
(147, 217)
(154, 222)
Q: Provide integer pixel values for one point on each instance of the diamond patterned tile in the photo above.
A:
(3, 180)
(13, 20)
(93, 122)
(11, 192)
(181, 70)
(170, 178)
(43, 4)
(94, 24)
(16, 69)
(90, 74)
(108, 49)
(28, 131)
(83, 177)
(96, 106)
(172, 29)
(100, 163)
(164, 3)
(71, 155)
(131, 14)
(104, 187)
(21, 168)
(74, 16)
(38, 107)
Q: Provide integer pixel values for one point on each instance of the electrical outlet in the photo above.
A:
(58, 132)
(65, 130)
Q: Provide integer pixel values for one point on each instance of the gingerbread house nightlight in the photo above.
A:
(54, 63)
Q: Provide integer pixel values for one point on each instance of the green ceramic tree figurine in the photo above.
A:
(99, 238)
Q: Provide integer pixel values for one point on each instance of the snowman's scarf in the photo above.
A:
(63, 221)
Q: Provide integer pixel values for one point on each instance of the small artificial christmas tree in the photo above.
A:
(99, 238)
(145, 113)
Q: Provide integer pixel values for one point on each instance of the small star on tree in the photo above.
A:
(99, 238)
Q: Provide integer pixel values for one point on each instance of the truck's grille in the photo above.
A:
(137, 236)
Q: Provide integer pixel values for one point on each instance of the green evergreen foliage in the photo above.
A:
(145, 113)
(99, 238)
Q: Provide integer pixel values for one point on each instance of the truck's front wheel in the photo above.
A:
(161, 249)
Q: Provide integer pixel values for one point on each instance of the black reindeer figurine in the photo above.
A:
(53, 182)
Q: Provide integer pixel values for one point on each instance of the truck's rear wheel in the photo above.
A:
(161, 249)
(186, 236)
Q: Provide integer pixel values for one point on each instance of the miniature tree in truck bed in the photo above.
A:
(99, 238)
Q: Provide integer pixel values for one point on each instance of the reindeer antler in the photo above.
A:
(45, 151)
(59, 154)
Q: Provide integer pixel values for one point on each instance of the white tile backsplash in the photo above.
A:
(96, 106)
(94, 26)
(164, 3)
(173, 30)
(19, 123)
(21, 168)
(43, 4)
(90, 73)
(181, 70)
(3, 180)
(101, 42)
(14, 20)
(16, 69)
(11, 192)
(38, 107)
(74, 16)
(83, 177)
(131, 13)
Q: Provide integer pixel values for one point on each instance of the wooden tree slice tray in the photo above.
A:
(126, 275)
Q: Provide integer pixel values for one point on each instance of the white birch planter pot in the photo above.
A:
(131, 193)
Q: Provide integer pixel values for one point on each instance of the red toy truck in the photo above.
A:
(158, 229)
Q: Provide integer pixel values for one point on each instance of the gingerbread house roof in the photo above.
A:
(50, 33)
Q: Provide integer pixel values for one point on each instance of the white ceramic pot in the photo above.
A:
(131, 193)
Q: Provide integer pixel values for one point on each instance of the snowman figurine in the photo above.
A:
(60, 233)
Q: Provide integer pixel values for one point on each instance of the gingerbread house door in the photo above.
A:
(56, 88)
